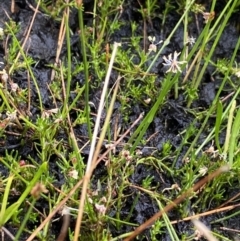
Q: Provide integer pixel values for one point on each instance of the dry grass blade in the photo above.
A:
(7, 233)
(57, 208)
(61, 37)
(177, 201)
(206, 213)
(26, 38)
(65, 225)
(87, 176)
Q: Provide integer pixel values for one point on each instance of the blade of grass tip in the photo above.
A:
(93, 143)
(234, 137)
(141, 130)
(229, 127)
(5, 199)
(85, 64)
(218, 124)
(24, 222)
(14, 207)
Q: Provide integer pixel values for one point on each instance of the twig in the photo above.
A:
(61, 37)
(177, 201)
(206, 213)
(8, 233)
(230, 200)
(65, 225)
(230, 229)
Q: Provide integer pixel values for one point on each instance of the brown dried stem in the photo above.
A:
(177, 201)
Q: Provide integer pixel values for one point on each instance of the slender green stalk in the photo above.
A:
(5, 101)
(69, 60)
(107, 120)
(227, 217)
(141, 130)
(15, 206)
(234, 138)
(210, 136)
(26, 218)
(185, 51)
(170, 228)
(85, 62)
(130, 213)
(15, 172)
(218, 123)
(94, 21)
(122, 221)
(5, 198)
(79, 94)
(229, 126)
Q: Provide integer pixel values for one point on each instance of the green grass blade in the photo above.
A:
(14, 207)
(234, 136)
(218, 123)
(86, 65)
(229, 127)
(5, 198)
(141, 130)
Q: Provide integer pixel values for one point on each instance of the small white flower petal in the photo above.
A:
(173, 63)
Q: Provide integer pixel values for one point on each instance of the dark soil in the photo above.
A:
(169, 122)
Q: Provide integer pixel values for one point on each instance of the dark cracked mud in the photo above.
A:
(173, 118)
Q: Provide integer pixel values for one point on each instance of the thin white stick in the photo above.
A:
(100, 107)
(92, 148)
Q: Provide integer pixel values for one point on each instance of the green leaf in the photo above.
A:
(15, 206)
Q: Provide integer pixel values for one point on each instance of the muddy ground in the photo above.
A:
(168, 123)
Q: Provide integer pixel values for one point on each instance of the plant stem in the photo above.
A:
(85, 62)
